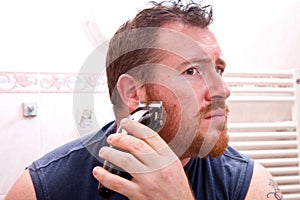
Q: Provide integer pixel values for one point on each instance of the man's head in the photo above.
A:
(131, 45)
(168, 53)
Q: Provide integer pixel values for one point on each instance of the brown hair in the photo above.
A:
(133, 44)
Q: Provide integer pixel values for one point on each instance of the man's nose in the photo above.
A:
(216, 87)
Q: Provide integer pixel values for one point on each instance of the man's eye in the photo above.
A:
(191, 71)
(219, 71)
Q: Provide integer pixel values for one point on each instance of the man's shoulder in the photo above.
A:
(232, 172)
(232, 154)
(70, 164)
(87, 144)
(235, 162)
(230, 157)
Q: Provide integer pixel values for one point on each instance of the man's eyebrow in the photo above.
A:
(196, 61)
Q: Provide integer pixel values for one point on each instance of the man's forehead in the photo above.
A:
(193, 32)
(184, 36)
(189, 42)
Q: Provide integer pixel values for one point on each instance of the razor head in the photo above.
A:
(150, 115)
(153, 118)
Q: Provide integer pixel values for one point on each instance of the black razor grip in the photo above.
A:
(103, 191)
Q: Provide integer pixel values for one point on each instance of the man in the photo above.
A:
(166, 53)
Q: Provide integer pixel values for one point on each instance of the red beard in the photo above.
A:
(187, 142)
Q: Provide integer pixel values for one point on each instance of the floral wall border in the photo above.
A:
(44, 82)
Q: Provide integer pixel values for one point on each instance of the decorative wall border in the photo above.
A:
(44, 82)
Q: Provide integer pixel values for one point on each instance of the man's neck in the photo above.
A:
(185, 161)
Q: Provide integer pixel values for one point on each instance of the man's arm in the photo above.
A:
(263, 186)
(22, 189)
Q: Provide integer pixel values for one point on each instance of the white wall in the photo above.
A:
(51, 40)
(258, 34)
(49, 35)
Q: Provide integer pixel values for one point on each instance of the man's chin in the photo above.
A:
(220, 147)
(217, 151)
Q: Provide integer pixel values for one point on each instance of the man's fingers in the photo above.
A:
(129, 143)
(143, 145)
(115, 182)
(126, 161)
(152, 160)
(144, 133)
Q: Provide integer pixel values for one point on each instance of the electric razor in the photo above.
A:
(150, 115)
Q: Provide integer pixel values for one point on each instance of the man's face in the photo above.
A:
(188, 81)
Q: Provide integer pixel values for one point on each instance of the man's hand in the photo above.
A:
(157, 172)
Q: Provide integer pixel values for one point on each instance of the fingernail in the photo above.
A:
(96, 170)
(110, 138)
(101, 151)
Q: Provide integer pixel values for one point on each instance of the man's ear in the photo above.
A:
(128, 90)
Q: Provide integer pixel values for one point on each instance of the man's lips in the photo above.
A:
(215, 114)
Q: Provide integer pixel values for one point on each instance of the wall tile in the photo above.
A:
(19, 138)
(65, 111)
(57, 124)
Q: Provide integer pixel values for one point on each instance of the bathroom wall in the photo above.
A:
(58, 116)
(45, 45)
(258, 35)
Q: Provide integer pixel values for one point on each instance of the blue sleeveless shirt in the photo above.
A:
(66, 172)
